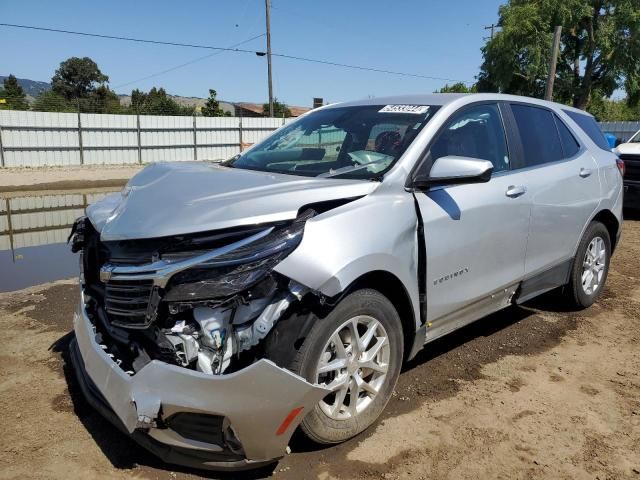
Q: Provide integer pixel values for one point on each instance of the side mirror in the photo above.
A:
(454, 170)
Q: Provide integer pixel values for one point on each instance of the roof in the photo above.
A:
(441, 99)
(437, 99)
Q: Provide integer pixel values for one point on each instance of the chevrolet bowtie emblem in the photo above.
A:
(105, 274)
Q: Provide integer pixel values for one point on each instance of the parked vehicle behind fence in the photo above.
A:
(629, 153)
(224, 305)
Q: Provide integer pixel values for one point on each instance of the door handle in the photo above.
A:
(515, 191)
(585, 172)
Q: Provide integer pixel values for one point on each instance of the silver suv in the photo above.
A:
(224, 305)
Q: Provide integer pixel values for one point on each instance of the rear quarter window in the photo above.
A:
(589, 125)
(569, 143)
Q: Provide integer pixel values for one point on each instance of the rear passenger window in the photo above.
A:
(569, 143)
(588, 124)
(540, 139)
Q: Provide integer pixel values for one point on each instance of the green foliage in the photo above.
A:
(600, 48)
(457, 88)
(77, 78)
(51, 101)
(79, 85)
(280, 110)
(157, 102)
(13, 94)
(606, 110)
(103, 100)
(212, 107)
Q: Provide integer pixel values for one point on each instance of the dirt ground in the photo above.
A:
(531, 392)
(53, 178)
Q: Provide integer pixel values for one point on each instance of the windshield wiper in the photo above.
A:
(353, 168)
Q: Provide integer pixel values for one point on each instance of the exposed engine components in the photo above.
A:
(202, 301)
(185, 342)
(215, 347)
(206, 338)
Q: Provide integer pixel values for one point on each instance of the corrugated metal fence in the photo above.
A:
(622, 130)
(35, 139)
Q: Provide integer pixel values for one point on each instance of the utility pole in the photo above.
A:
(491, 27)
(555, 49)
(267, 4)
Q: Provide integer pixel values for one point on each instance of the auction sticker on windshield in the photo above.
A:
(417, 109)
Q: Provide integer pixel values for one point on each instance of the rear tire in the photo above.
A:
(590, 266)
(361, 368)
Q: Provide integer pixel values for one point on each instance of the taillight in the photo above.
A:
(621, 166)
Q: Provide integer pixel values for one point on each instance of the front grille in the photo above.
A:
(126, 302)
(632, 166)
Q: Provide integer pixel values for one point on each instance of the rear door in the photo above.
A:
(564, 188)
(475, 234)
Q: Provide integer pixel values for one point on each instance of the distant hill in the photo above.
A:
(32, 88)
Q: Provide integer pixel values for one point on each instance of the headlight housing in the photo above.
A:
(239, 269)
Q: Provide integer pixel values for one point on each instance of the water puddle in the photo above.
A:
(33, 232)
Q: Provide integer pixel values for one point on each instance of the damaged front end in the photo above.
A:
(181, 321)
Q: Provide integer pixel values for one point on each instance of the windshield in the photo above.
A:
(359, 142)
(635, 138)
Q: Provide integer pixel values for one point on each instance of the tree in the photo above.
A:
(212, 107)
(77, 78)
(600, 47)
(51, 101)
(102, 100)
(457, 88)
(14, 95)
(279, 109)
(157, 102)
(606, 110)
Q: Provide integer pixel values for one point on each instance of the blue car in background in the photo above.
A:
(612, 139)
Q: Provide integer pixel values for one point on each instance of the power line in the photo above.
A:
(369, 69)
(232, 49)
(153, 75)
(128, 39)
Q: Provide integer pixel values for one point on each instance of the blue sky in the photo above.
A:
(440, 38)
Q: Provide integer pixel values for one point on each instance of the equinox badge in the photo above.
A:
(449, 276)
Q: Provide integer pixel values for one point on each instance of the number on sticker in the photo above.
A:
(416, 109)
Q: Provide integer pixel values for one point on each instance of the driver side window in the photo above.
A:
(476, 132)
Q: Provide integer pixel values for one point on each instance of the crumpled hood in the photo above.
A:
(178, 198)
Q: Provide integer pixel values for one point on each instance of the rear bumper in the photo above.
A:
(254, 403)
(631, 194)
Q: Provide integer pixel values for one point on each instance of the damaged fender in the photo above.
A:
(360, 248)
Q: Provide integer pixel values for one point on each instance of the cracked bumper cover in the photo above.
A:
(255, 401)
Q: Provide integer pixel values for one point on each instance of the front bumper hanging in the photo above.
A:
(261, 405)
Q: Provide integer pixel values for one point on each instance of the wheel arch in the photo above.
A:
(609, 220)
(394, 290)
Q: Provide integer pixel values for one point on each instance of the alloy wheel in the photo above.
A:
(353, 365)
(593, 265)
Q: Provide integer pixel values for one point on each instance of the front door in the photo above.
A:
(475, 234)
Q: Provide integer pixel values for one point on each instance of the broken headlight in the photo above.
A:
(239, 269)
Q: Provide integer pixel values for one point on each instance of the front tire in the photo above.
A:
(590, 266)
(356, 351)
